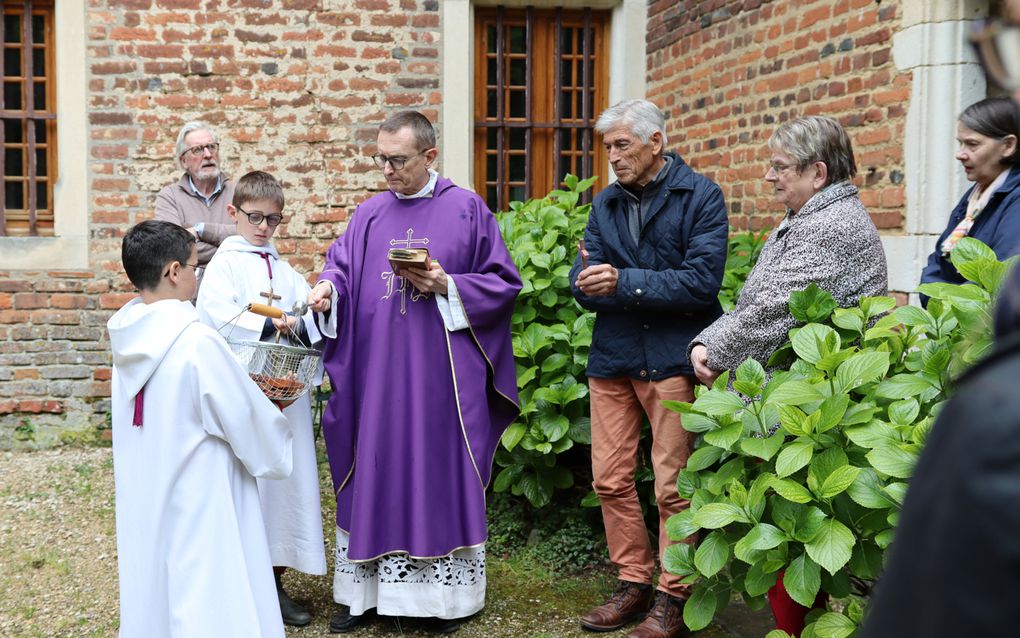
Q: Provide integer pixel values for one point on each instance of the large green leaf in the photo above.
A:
(757, 582)
(681, 525)
(833, 625)
(553, 426)
(794, 392)
(893, 460)
(794, 456)
(679, 559)
(867, 490)
(802, 580)
(703, 457)
(716, 515)
(831, 412)
(761, 536)
(861, 368)
(725, 436)
(749, 378)
(700, 608)
(718, 403)
(833, 545)
(794, 420)
(762, 448)
(837, 482)
(792, 491)
(513, 435)
(814, 341)
(904, 412)
(811, 304)
(903, 386)
(712, 553)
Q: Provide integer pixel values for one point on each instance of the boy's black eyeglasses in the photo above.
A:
(997, 44)
(184, 265)
(397, 162)
(256, 218)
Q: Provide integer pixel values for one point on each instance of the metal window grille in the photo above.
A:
(28, 134)
(511, 116)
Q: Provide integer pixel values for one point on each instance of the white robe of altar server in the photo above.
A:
(234, 278)
(192, 552)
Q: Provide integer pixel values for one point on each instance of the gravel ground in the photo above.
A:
(58, 565)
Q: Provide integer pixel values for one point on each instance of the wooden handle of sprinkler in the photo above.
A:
(266, 311)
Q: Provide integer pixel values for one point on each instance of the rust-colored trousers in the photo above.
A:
(617, 409)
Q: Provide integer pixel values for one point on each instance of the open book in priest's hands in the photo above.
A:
(409, 258)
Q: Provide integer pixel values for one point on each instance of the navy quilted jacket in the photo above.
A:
(998, 225)
(669, 281)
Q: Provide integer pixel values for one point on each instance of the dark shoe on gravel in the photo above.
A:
(343, 621)
(293, 614)
(629, 601)
(446, 625)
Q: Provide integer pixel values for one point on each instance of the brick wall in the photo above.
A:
(729, 71)
(295, 87)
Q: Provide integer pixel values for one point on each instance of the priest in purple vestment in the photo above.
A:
(422, 369)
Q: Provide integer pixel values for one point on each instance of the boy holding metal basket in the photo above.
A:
(247, 274)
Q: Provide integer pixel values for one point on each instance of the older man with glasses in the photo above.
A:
(198, 200)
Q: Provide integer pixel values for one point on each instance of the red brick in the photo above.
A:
(114, 301)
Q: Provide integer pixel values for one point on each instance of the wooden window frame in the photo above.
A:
(543, 123)
(32, 219)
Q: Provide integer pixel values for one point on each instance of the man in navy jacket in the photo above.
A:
(651, 268)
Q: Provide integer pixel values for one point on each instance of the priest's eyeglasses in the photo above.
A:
(397, 162)
(997, 44)
(256, 218)
(199, 151)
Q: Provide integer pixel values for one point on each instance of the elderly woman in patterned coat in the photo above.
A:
(826, 238)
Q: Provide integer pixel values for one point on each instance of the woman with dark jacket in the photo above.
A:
(990, 210)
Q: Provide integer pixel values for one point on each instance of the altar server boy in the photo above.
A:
(247, 268)
(190, 433)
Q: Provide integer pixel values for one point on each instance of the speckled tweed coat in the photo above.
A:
(831, 242)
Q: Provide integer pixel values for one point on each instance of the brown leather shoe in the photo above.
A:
(628, 602)
(665, 620)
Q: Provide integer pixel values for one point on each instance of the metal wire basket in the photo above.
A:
(282, 372)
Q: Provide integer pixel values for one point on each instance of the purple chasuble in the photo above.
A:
(416, 411)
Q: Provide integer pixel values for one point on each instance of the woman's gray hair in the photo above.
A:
(815, 138)
(641, 117)
(191, 127)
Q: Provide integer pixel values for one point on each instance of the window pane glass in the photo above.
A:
(490, 198)
(490, 103)
(12, 96)
(39, 29)
(12, 162)
(490, 167)
(40, 131)
(15, 195)
(517, 104)
(516, 163)
(566, 40)
(518, 69)
(42, 200)
(12, 28)
(12, 131)
(12, 62)
(518, 41)
(490, 139)
(40, 96)
(491, 72)
(518, 193)
(490, 38)
(566, 73)
(40, 162)
(579, 96)
(517, 138)
(565, 105)
(565, 167)
(39, 62)
(567, 136)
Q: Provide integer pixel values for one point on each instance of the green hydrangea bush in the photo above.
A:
(803, 472)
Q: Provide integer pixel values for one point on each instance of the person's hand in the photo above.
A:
(432, 280)
(194, 233)
(286, 324)
(699, 359)
(598, 280)
(320, 298)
